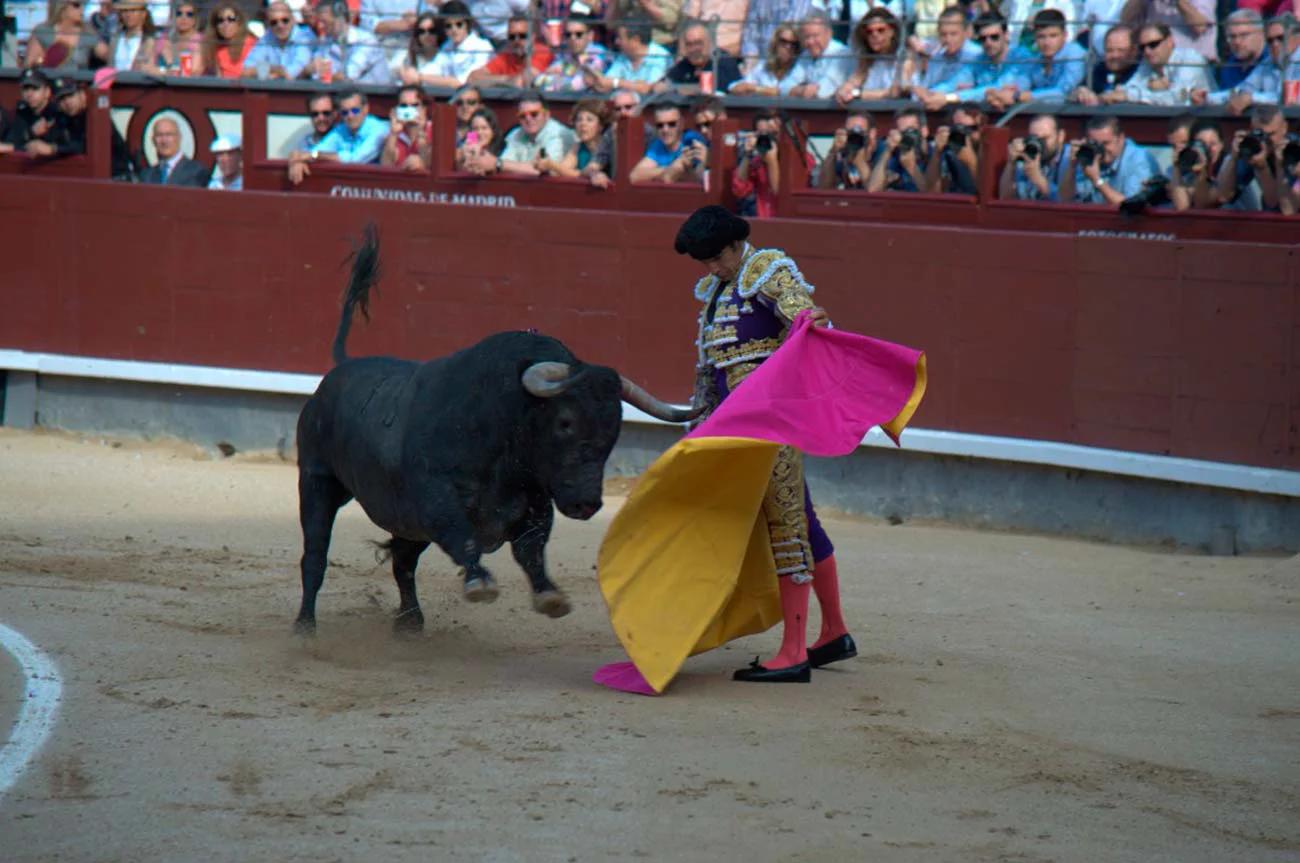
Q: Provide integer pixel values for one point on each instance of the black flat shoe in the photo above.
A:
(832, 651)
(801, 673)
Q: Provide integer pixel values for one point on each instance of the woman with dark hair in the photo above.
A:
(592, 155)
(772, 76)
(183, 39)
(64, 41)
(412, 65)
(132, 47)
(462, 53)
(875, 42)
(228, 41)
(484, 136)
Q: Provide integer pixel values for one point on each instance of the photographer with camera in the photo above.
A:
(900, 165)
(757, 178)
(1105, 167)
(1198, 154)
(1248, 179)
(674, 155)
(1035, 162)
(409, 145)
(848, 163)
(955, 163)
(1288, 178)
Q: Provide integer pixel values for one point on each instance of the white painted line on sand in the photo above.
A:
(42, 690)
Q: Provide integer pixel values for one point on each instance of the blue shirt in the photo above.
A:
(1126, 175)
(983, 74)
(1264, 84)
(293, 54)
(942, 69)
(1068, 68)
(902, 181)
(828, 71)
(663, 157)
(1052, 172)
(654, 65)
(356, 148)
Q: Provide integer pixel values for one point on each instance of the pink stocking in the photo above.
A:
(826, 583)
(794, 611)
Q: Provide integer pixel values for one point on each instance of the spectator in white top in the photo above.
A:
(463, 52)
(412, 65)
(826, 62)
(351, 52)
(391, 21)
(875, 43)
(1167, 75)
(228, 172)
(774, 74)
(132, 47)
(1191, 21)
(493, 16)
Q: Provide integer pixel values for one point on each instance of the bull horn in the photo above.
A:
(639, 398)
(546, 380)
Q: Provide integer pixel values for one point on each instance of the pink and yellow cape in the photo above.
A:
(686, 564)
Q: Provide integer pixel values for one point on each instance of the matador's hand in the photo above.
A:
(819, 317)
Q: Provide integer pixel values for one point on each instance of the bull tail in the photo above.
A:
(365, 273)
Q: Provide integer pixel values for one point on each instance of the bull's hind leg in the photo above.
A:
(529, 550)
(319, 497)
(406, 554)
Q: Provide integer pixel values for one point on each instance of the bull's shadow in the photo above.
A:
(467, 451)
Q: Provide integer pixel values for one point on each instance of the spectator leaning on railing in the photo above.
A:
(1263, 86)
(180, 50)
(70, 129)
(358, 140)
(848, 162)
(482, 135)
(875, 65)
(1190, 21)
(228, 167)
(1198, 154)
(227, 43)
(64, 41)
(949, 62)
(772, 75)
(1036, 162)
(640, 63)
(538, 135)
(1105, 167)
(323, 113)
(34, 118)
(462, 53)
(512, 66)
(999, 71)
(284, 51)
(904, 155)
(416, 62)
(694, 72)
(409, 144)
(172, 168)
(673, 155)
(1167, 75)
(346, 52)
(1248, 179)
(1245, 37)
(1060, 65)
(592, 154)
(825, 64)
(1105, 82)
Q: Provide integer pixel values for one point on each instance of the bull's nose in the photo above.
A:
(585, 511)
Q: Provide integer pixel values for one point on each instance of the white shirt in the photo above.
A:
(828, 71)
(127, 48)
(457, 61)
(493, 15)
(1100, 16)
(27, 14)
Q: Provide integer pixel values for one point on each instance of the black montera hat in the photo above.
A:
(708, 231)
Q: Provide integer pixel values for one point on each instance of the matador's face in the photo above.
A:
(727, 264)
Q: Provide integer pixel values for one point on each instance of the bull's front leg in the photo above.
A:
(529, 550)
(451, 530)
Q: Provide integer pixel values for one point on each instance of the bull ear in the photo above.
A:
(639, 398)
(546, 380)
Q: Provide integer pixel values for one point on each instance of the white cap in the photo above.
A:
(225, 143)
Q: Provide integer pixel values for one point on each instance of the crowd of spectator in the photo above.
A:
(628, 58)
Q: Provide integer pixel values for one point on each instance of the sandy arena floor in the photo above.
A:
(1018, 698)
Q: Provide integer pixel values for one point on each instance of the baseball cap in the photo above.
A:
(64, 87)
(225, 143)
(33, 78)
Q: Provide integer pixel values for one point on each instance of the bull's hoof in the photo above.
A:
(409, 621)
(481, 590)
(551, 603)
(305, 626)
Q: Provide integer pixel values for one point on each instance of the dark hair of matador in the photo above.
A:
(709, 231)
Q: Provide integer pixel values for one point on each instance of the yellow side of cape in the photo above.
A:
(687, 564)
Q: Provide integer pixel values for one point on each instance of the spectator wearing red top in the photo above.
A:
(228, 41)
(1271, 8)
(510, 66)
(410, 139)
(757, 178)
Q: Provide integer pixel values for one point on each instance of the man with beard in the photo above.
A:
(1035, 162)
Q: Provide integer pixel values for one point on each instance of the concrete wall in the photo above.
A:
(874, 482)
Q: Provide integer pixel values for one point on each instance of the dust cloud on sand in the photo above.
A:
(1017, 698)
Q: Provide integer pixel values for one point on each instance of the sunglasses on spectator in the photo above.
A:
(329, 113)
(1273, 39)
(351, 112)
(228, 19)
(793, 43)
(517, 37)
(425, 31)
(989, 37)
(414, 104)
(276, 21)
(1147, 46)
(468, 103)
(575, 34)
(529, 115)
(180, 13)
(456, 25)
(670, 124)
(875, 31)
(625, 109)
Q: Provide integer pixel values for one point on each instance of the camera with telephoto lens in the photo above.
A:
(910, 140)
(1253, 144)
(1154, 192)
(958, 135)
(1087, 153)
(763, 143)
(1291, 153)
(1032, 149)
(854, 142)
(1192, 155)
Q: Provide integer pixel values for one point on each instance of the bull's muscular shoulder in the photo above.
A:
(776, 276)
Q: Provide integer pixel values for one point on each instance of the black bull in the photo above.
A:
(467, 451)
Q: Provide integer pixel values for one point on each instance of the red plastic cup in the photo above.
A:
(554, 32)
(706, 82)
(187, 64)
(326, 70)
(1291, 93)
